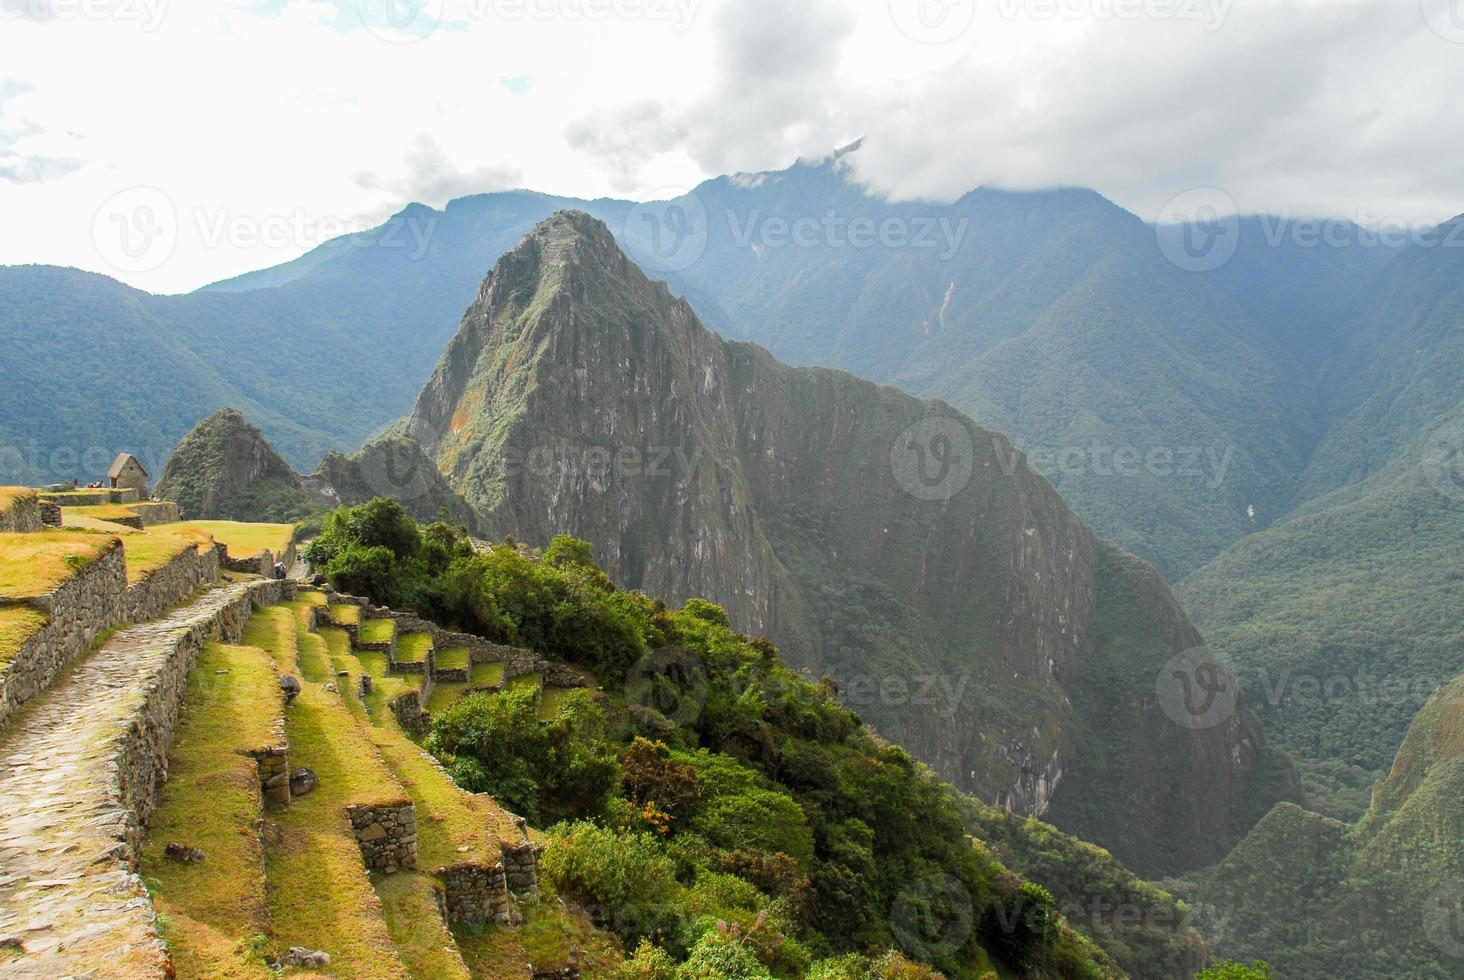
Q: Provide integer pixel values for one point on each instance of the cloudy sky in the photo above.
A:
(252, 130)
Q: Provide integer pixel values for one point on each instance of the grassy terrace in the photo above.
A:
(17, 625)
(480, 676)
(9, 495)
(525, 682)
(151, 550)
(380, 631)
(344, 612)
(549, 701)
(318, 892)
(80, 522)
(412, 648)
(245, 540)
(35, 564)
(215, 909)
(447, 818)
(453, 658)
(104, 512)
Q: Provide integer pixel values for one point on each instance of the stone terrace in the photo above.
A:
(80, 767)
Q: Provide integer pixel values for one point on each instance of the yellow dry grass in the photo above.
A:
(35, 564)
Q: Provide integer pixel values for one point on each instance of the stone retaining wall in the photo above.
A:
(410, 714)
(386, 834)
(142, 751)
(521, 867)
(273, 763)
(82, 498)
(516, 660)
(23, 516)
(165, 587)
(477, 894)
(50, 514)
(156, 512)
(79, 610)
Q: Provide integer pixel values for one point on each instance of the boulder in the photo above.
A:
(302, 781)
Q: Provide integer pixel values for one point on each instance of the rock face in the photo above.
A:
(890, 542)
(224, 470)
(392, 466)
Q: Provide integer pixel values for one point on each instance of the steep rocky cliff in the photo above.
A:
(887, 541)
(224, 470)
(391, 466)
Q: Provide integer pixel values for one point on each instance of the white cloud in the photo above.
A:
(320, 114)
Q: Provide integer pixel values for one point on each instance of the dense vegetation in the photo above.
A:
(713, 804)
(1340, 625)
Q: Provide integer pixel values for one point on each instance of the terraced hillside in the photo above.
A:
(173, 805)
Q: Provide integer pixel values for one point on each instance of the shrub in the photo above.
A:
(625, 879)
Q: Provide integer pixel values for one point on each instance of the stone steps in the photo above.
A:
(80, 769)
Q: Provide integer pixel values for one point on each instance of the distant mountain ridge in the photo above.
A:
(1022, 309)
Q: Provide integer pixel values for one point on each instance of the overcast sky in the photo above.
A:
(255, 130)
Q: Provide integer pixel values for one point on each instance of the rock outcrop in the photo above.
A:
(225, 470)
(887, 541)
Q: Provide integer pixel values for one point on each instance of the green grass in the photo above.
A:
(35, 564)
(211, 801)
(447, 817)
(311, 597)
(485, 675)
(413, 648)
(319, 894)
(526, 682)
(105, 512)
(453, 658)
(444, 695)
(378, 631)
(152, 550)
(422, 940)
(17, 625)
(544, 940)
(550, 700)
(345, 613)
(245, 540)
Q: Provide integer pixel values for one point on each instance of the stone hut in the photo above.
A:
(127, 473)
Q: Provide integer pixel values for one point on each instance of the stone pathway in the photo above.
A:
(70, 905)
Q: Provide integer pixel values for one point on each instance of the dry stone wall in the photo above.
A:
(82, 771)
(165, 587)
(386, 834)
(78, 611)
(477, 894)
(95, 599)
(23, 516)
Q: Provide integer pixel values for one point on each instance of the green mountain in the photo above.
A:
(1342, 620)
(960, 605)
(225, 470)
(1163, 404)
(1381, 898)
